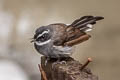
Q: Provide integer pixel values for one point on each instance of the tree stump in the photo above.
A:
(71, 70)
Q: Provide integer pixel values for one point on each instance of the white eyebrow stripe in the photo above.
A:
(42, 43)
(43, 33)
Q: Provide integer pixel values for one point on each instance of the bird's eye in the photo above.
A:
(42, 38)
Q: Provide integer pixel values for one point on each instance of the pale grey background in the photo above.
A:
(20, 18)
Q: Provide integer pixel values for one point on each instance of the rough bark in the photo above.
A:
(71, 70)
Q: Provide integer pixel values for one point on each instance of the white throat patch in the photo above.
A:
(42, 43)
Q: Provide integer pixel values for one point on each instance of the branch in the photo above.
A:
(42, 72)
(86, 63)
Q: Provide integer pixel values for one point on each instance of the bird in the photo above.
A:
(58, 40)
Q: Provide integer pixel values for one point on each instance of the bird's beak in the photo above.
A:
(32, 40)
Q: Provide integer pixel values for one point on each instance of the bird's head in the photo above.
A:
(42, 36)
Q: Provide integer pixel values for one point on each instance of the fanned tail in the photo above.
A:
(85, 23)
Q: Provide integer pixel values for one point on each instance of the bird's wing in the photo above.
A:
(76, 32)
(75, 36)
(67, 36)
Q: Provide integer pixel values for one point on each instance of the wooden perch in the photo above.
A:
(71, 70)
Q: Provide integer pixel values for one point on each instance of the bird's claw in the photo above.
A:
(58, 62)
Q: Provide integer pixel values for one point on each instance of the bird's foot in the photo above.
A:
(62, 62)
(58, 62)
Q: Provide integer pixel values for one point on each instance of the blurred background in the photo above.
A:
(20, 18)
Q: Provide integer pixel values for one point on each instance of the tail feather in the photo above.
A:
(84, 21)
(76, 22)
